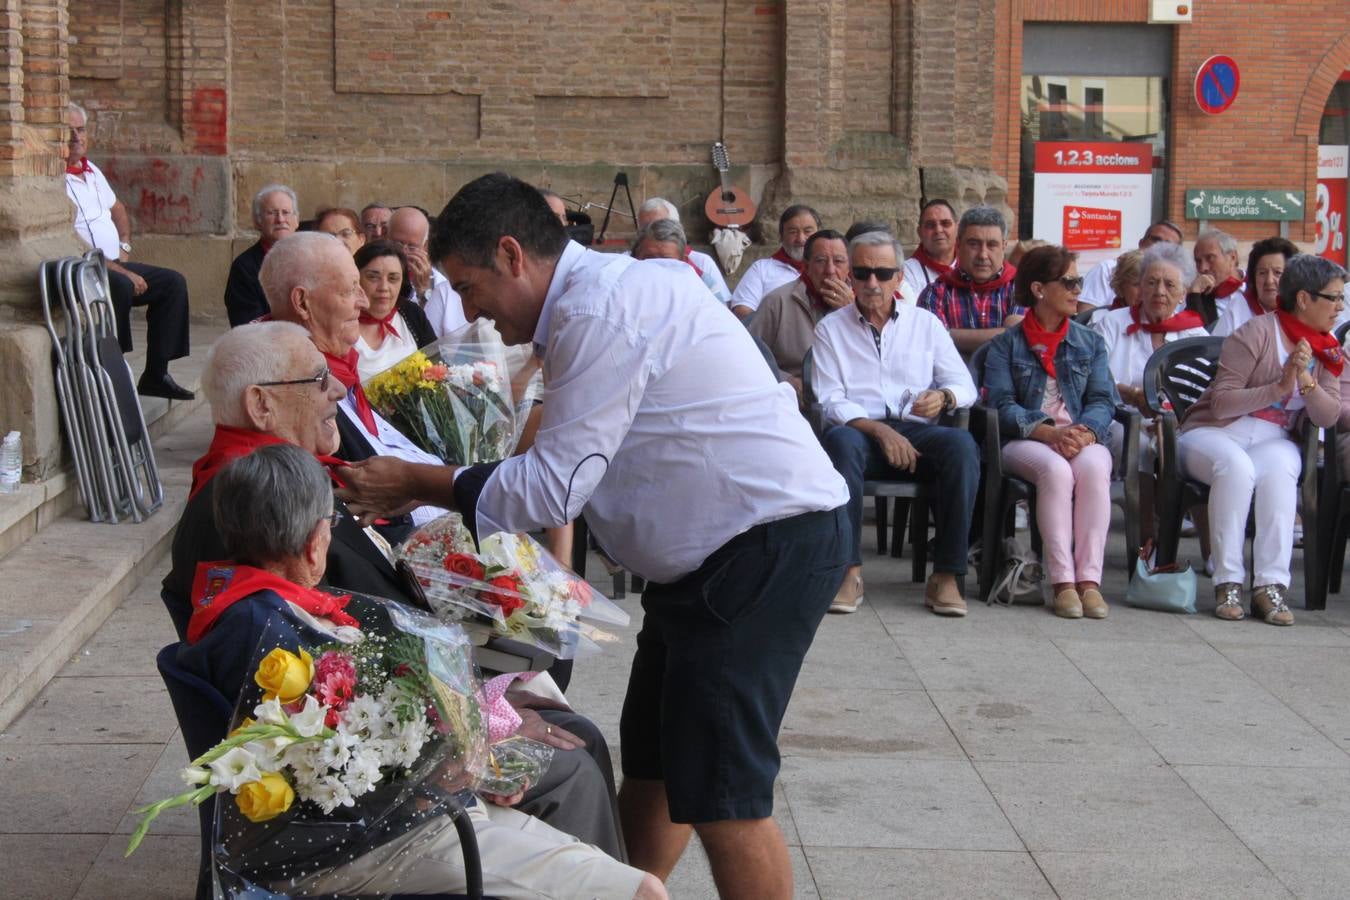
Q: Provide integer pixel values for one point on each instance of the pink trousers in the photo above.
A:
(1073, 506)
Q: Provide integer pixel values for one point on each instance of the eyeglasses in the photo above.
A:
(333, 518)
(1331, 297)
(1072, 285)
(320, 379)
(346, 234)
(863, 273)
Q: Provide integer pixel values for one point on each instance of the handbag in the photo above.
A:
(1165, 588)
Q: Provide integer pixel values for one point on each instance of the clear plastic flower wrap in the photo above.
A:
(511, 582)
(513, 765)
(452, 398)
(338, 748)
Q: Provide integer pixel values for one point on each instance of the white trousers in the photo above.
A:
(1251, 459)
(523, 859)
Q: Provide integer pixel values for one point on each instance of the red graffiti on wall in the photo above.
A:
(208, 121)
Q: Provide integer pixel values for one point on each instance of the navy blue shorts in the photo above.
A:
(716, 662)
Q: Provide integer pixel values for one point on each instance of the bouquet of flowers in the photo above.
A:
(511, 582)
(451, 398)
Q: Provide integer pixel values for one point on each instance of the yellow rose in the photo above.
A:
(266, 799)
(285, 676)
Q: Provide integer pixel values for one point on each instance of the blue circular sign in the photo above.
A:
(1216, 84)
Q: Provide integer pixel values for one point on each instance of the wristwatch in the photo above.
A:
(126, 248)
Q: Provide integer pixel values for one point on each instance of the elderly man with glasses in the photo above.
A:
(884, 372)
(275, 216)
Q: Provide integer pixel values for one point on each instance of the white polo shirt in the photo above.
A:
(94, 199)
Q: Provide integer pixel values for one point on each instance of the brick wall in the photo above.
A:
(1267, 139)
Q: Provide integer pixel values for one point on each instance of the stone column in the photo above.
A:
(35, 216)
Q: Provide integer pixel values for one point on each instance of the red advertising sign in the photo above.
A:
(1333, 166)
(1102, 158)
(1091, 229)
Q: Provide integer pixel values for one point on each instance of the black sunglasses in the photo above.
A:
(863, 273)
(1072, 284)
(320, 379)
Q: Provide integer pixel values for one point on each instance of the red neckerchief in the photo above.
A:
(1324, 345)
(266, 245)
(929, 262)
(798, 265)
(689, 258)
(1179, 322)
(386, 324)
(1118, 303)
(959, 280)
(1252, 303)
(1227, 287)
(1043, 343)
(219, 585)
(79, 168)
(230, 443)
(344, 370)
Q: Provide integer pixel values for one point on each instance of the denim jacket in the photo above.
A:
(1014, 382)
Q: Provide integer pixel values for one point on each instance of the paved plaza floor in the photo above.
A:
(1008, 754)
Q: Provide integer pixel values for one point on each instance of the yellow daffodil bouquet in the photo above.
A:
(451, 399)
(335, 722)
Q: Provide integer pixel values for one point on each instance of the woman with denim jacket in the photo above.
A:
(1052, 388)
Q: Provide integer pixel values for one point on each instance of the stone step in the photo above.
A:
(39, 504)
(62, 583)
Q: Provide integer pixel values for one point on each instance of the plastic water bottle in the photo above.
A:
(11, 463)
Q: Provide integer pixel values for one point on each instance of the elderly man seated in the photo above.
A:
(884, 372)
(658, 208)
(974, 299)
(797, 223)
(665, 239)
(268, 385)
(275, 216)
(311, 280)
(787, 316)
(1219, 278)
(273, 510)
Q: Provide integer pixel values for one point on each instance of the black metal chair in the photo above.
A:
(204, 715)
(1003, 491)
(913, 499)
(1174, 378)
(1335, 491)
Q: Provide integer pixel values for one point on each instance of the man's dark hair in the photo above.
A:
(936, 201)
(369, 206)
(793, 212)
(1170, 226)
(824, 234)
(1282, 246)
(489, 208)
(858, 228)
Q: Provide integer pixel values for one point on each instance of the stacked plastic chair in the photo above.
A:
(100, 410)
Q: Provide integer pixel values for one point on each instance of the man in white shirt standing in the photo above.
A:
(101, 221)
(409, 227)
(936, 252)
(884, 371)
(695, 471)
(658, 208)
(795, 225)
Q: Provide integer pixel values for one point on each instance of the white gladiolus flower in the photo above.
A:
(270, 713)
(309, 721)
(235, 769)
(196, 775)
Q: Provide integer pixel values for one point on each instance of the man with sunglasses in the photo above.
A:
(885, 372)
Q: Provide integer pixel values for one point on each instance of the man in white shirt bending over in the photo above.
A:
(884, 371)
(695, 471)
(795, 225)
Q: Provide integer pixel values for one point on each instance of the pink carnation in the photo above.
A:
(334, 680)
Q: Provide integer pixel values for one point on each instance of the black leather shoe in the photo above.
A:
(162, 386)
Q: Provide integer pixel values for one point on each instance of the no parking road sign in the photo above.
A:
(1216, 84)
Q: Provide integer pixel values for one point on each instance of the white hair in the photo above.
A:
(293, 261)
(877, 239)
(247, 355)
(1170, 254)
(72, 106)
(1227, 243)
(259, 197)
(660, 203)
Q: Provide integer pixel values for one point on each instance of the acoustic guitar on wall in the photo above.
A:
(727, 206)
